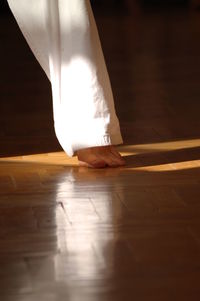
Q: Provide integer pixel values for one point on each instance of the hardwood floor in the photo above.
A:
(132, 233)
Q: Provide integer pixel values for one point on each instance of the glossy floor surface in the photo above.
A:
(132, 233)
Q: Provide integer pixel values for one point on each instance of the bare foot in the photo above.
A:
(100, 157)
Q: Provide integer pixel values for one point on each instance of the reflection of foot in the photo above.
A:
(100, 156)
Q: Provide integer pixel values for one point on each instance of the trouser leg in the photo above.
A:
(63, 36)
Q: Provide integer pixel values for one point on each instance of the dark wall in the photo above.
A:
(165, 2)
(4, 9)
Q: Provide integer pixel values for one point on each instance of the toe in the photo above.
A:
(93, 164)
(97, 164)
(112, 160)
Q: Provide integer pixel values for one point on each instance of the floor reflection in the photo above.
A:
(88, 233)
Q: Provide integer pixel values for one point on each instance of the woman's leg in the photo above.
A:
(63, 36)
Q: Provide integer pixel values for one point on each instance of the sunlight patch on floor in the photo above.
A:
(169, 167)
(57, 158)
(159, 147)
(61, 159)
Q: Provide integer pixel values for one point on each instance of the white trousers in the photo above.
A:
(63, 37)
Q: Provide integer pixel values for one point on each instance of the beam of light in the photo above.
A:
(169, 166)
(54, 158)
(60, 158)
(159, 146)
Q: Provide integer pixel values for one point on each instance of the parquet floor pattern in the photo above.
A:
(132, 233)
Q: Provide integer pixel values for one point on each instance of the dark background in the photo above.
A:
(107, 3)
